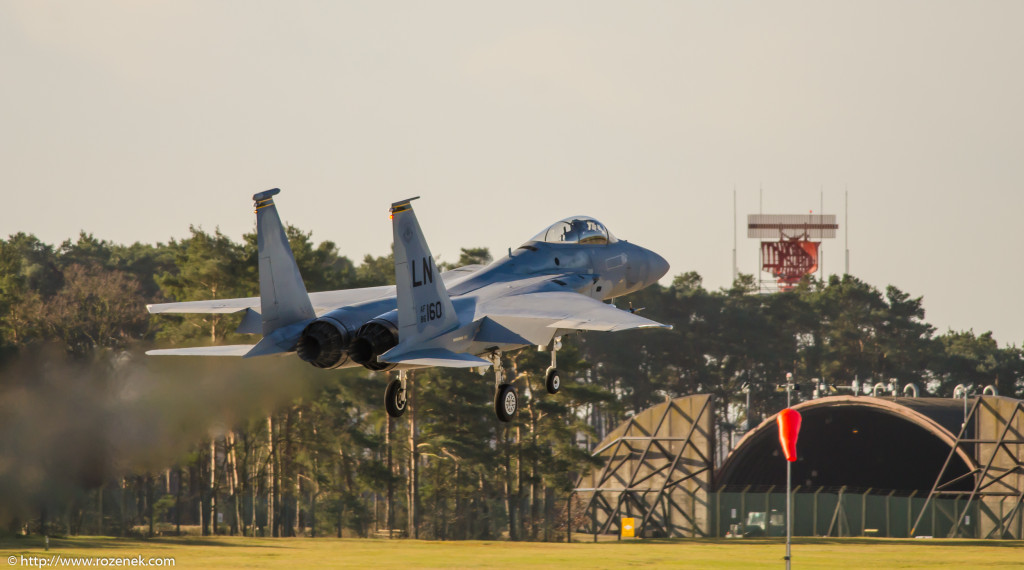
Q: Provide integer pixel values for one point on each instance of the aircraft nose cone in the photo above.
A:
(657, 268)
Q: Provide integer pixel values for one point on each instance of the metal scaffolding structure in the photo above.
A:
(864, 470)
(658, 470)
(993, 433)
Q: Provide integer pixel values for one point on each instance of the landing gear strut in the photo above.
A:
(396, 396)
(506, 402)
(551, 380)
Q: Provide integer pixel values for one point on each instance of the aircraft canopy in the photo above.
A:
(576, 229)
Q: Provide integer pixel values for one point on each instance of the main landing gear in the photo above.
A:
(396, 397)
(551, 380)
(506, 401)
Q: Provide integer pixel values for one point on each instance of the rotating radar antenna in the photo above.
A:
(788, 247)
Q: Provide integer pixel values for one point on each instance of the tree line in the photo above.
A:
(99, 439)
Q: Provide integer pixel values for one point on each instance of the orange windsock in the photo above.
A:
(789, 429)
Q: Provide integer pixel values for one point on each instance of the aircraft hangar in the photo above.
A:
(857, 441)
(866, 466)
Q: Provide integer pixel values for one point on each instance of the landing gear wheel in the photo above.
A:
(552, 381)
(395, 400)
(506, 402)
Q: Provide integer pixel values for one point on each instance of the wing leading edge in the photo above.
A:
(323, 302)
(565, 310)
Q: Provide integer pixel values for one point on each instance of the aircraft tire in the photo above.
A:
(506, 402)
(394, 399)
(552, 381)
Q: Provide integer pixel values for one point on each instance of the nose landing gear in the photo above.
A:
(551, 380)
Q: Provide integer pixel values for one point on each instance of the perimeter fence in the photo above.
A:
(823, 512)
(839, 513)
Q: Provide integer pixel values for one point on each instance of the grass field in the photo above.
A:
(229, 552)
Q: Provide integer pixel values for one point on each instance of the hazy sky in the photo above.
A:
(133, 120)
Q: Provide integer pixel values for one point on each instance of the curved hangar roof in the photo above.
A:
(858, 441)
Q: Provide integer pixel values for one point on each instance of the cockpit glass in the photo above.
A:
(578, 229)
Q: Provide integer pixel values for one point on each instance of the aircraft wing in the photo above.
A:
(562, 310)
(436, 357)
(330, 300)
(322, 301)
(215, 306)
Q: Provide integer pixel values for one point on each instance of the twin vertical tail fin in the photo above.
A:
(424, 308)
(283, 297)
(285, 307)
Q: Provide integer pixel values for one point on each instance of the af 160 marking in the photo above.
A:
(430, 312)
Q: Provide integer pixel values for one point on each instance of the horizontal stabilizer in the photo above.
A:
(227, 350)
(436, 357)
(265, 347)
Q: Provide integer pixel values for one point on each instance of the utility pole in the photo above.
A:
(735, 267)
(846, 225)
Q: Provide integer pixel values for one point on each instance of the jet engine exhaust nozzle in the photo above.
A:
(372, 340)
(323, 344)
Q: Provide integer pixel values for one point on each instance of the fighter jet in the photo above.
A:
(554, 284)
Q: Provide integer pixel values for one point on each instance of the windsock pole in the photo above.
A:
(789, 429)
(789, 481)
(789, 514)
